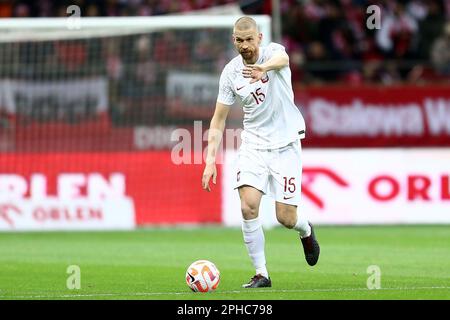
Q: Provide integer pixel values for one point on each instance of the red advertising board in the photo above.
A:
(160, 191)
(375, 116)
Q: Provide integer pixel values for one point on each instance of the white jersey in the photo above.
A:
(271, 119)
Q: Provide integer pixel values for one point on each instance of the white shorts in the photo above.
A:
(277, 172)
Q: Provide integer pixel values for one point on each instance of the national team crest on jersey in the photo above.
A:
(265, 79)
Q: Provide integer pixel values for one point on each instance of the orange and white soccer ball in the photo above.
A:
(202, 276)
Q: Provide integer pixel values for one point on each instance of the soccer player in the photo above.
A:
(269, 161)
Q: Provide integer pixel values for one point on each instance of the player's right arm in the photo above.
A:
(214, 138)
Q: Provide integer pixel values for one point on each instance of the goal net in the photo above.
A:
(104, 97)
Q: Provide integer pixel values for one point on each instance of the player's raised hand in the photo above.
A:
(255, 72)
(210, 171)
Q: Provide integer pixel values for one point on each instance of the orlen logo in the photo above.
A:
(416, 187)
(309, 176)
(71, 197)
(7, 212)
(67, 186)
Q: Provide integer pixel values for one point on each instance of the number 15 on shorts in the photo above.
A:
(289, 184)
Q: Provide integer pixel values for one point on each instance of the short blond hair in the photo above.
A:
(245, 23)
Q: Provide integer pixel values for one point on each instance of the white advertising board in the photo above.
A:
(361, 186)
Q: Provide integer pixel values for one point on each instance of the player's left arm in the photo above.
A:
(280, 59)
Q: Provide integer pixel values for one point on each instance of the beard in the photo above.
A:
(248, 55)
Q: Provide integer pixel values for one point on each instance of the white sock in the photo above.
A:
(302, 226)
(254, 241)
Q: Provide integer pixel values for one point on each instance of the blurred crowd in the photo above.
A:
(333, 40)
(328, 40)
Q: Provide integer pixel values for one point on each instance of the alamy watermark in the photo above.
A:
(374, 280)
(192, 145)
(74, 280)
(374, 20)
(73, 21)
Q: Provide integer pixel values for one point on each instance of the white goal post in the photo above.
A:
(35, 29)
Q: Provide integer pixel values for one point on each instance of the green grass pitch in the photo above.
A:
(151, 263)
